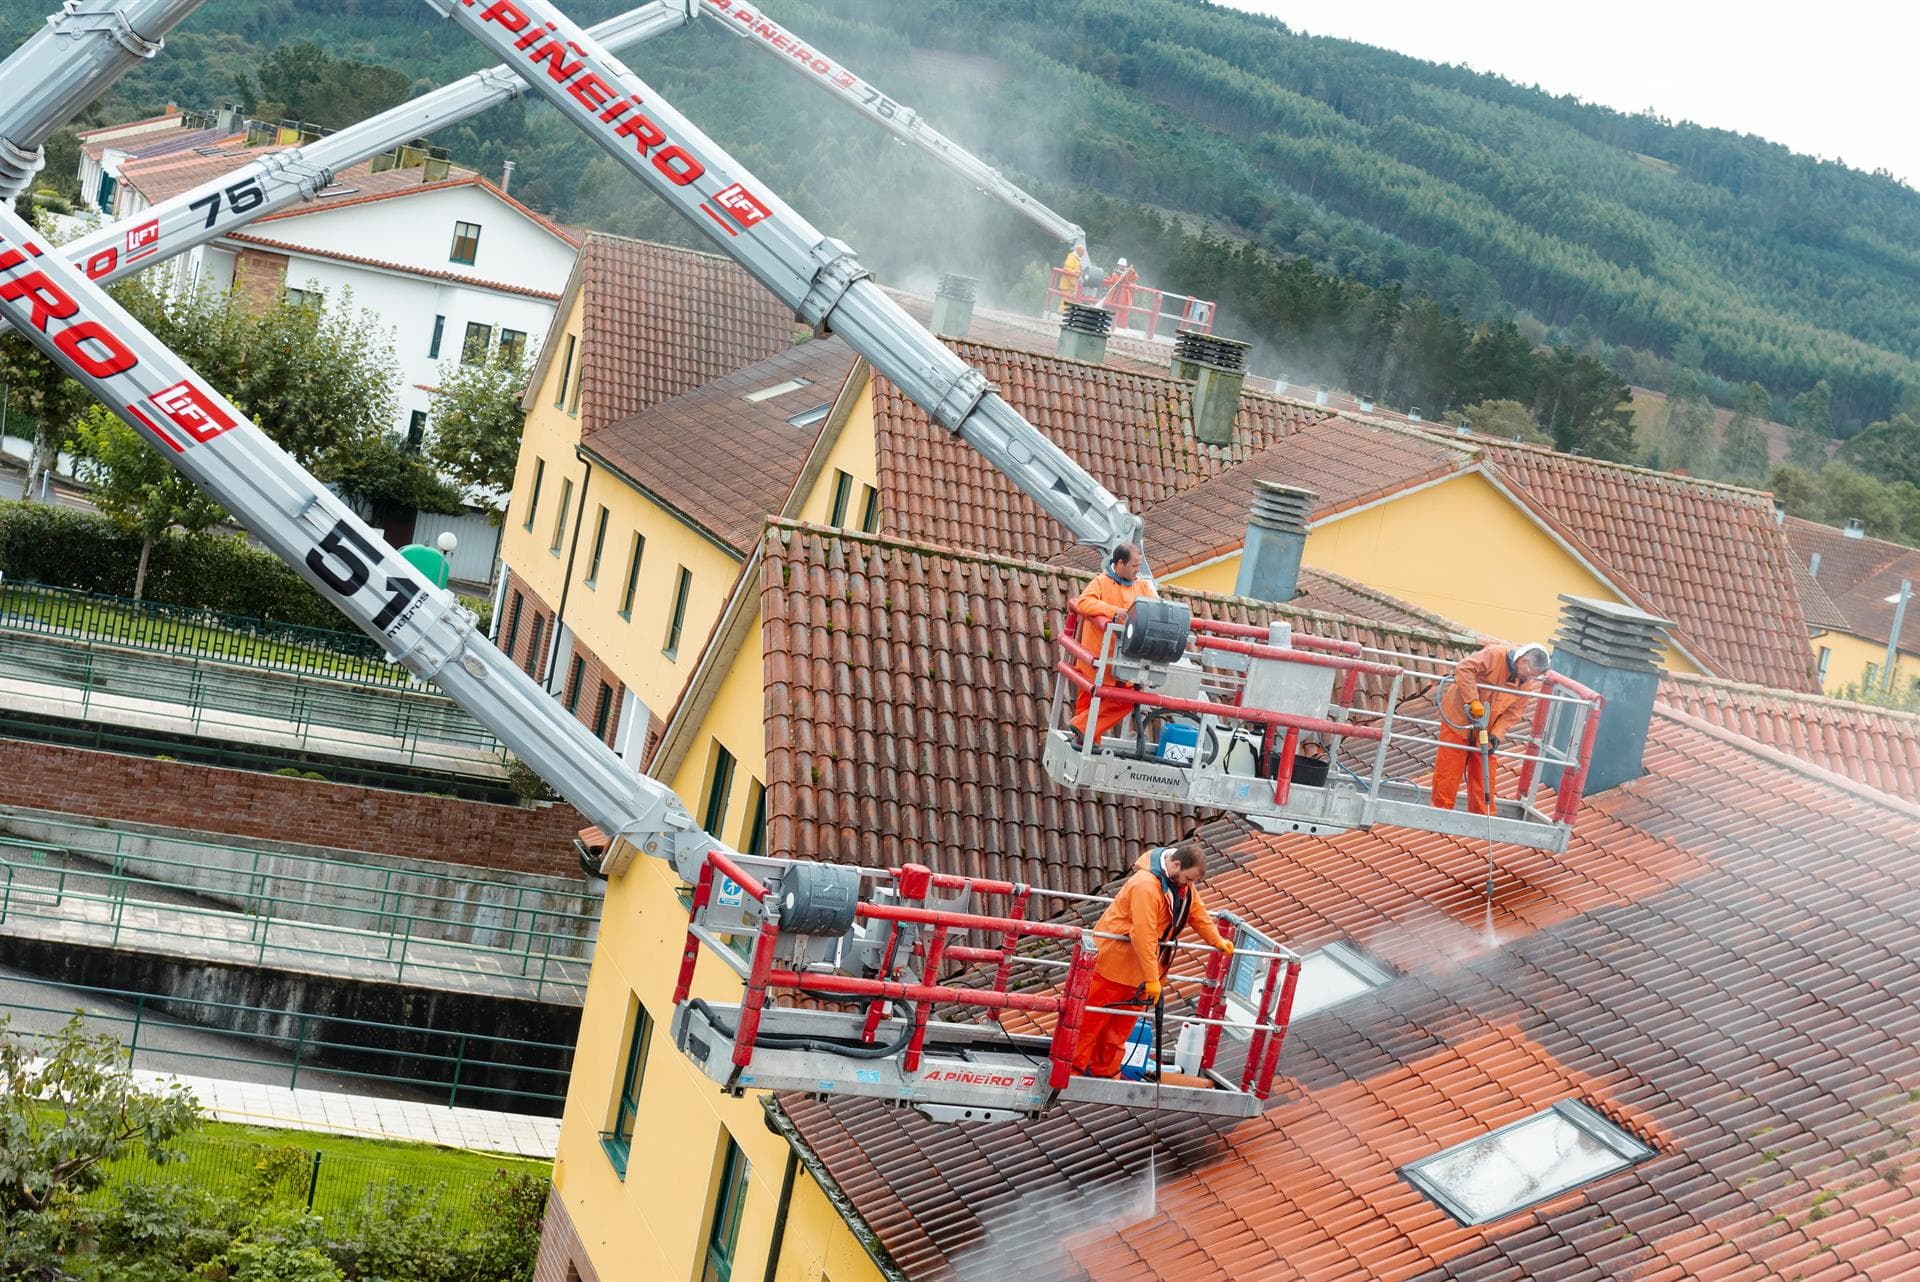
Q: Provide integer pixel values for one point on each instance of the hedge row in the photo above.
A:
(71, 549)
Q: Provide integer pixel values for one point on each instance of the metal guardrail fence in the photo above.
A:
(469, 1064)
(196, 631)
(415, 729)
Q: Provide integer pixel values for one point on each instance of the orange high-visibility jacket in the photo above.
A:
(1142, 911)
(1488, 667)
(1109, 599)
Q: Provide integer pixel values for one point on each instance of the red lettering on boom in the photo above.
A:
(114, 357)
(554, 55)
(504, 13)
(46, 300)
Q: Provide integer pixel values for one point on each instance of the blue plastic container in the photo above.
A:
(1177, 743)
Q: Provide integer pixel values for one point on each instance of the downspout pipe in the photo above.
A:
(780, 1214)
(566, 581)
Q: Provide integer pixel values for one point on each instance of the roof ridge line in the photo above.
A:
(1454, 443)
(1797, 696)
(594, 233)
(1703, 482)
(1768, 753)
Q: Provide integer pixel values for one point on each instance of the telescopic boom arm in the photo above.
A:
(66, 65)
(815, 275)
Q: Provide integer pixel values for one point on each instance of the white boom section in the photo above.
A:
(275, 182)
(66, 65)
(193, 427)
(898, 119)
(815, 275)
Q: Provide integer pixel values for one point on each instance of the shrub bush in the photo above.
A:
(69, 549)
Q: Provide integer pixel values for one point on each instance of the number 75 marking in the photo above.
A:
(242, 197)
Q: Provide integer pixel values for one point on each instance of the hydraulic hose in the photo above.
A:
(778, 1042)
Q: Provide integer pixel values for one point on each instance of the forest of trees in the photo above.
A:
(1365, 218)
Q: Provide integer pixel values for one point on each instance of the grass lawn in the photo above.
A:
(220, 1156)
(78, 616)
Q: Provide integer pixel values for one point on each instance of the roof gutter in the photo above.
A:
(780, 1124)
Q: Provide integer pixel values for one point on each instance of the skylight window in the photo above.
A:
(329, 192)
(1328, 976)
(808, 418)
(1527, 1162)
(778, 389)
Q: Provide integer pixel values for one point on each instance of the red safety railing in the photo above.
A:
(1136, 308)
(1065, 1002)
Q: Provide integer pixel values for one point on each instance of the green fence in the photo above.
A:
(328, 1183)
(198, 632)
(440, 1066)
(409, 729)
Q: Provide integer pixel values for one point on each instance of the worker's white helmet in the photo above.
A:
(1533, 650)
(1121, 263)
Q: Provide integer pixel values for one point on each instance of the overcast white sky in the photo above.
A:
(1833, 78)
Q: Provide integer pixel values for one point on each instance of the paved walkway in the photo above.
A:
(82, 909)
(364, 1115)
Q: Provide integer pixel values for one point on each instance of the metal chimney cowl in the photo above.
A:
(1083, 333)
(953, 305)
(1276, 537)
(1218, 369)
(1615, 651)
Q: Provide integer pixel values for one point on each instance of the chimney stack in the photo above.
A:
(1083, 333)
(1276, 536)
(1218, 368)
(506, 176)
(953, 305)
(1613, 650)
(1856, 528)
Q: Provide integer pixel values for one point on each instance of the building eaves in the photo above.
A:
(401, 269)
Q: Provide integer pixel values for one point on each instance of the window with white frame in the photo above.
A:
(1525, 1162)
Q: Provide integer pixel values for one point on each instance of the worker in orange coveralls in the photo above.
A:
(1474, 718)
(1155, 905)
(1107, 599)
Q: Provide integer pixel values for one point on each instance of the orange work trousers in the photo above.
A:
(1103, 1037)
(1451, 763)
(1112, 713)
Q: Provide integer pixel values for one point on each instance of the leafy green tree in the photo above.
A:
(1889, 450)
(1506, 419)
(1811, 417)
(1584, 405)
(378, 471)
(303, 80)
(61, 1119)
(136, 489)
(475, 424)
(1743, 446)
(1500, 364)
(1689, 427)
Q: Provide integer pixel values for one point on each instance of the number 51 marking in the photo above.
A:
(344, 544)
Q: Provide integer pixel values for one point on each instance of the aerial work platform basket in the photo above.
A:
(1299, 733)
(889, 962)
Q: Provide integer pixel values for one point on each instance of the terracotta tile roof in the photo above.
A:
(1822, 612)
(1131, 431)
(1331, 593)
(164, 117)
(306, 251)
(1859, 575)
(164, 177)
(661, 320)
(1878, 747)
(1708, 556)
(722, 462)
(1722, 963)
(906, 692)
(1040, 335)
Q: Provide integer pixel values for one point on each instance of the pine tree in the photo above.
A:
(1743, 447)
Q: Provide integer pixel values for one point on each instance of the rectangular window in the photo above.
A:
(513, 345)
(466, 243)
(755, 840)
(416, 431)
(566, 373)
(1529, 1161)
(532, 664)
(719, 787)
(599, 546)
(513, 625)
(679, 612)
(602, 709)
(729, 1201)
(778, 389)
(870, 512)
(303, 297)
(560, 517)
(439, 332)
(617, 1139)
(574, 677)
(1826, 657)
(473, 348)
(533, 499)
(842, 490)
(634, 553)
(811, 417)
(579, 382)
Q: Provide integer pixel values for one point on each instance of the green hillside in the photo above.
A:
(1359, 214)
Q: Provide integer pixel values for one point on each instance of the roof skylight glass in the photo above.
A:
(807, 418)
(778, 389)
(1527, 1162)
(1328, 976)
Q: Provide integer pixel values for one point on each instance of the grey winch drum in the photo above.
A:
(818, 899)
(1155, 631)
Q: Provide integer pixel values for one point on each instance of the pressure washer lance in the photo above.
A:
(1478, 711)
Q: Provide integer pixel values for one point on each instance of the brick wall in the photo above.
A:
(534, 627)
(562, 1258)
(258, 275)
(243, 803)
